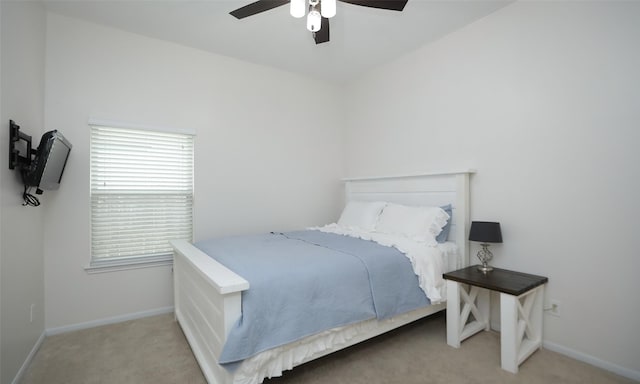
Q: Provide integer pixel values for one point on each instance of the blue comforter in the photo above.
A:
(306, 282)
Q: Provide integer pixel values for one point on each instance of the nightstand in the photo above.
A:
(521, 297)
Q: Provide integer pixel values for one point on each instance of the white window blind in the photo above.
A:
(141, 194)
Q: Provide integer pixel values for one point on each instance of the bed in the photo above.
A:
(208, 296)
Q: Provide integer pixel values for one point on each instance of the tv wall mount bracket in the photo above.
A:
(16, 159)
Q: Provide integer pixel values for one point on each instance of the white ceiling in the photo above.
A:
(361, 37)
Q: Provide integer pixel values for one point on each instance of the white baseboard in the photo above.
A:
(30, 357)
(618, 370)
(108, 320)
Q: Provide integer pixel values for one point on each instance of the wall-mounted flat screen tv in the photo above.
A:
(46, 169)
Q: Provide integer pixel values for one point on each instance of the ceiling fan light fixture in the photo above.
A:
(319, 11)
(298, 8)
(328, 8)
(314, 20)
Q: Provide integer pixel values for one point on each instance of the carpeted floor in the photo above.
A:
(153, 350)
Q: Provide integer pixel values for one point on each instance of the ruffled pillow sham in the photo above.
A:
(361, 215)
(421, 224)
(443, 236)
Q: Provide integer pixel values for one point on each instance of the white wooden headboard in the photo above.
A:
(426, 189)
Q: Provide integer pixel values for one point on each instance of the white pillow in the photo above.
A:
(417, 223)
(361, 215)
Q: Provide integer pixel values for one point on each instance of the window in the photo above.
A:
(141, 195)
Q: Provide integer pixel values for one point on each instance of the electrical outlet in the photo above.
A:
(31, 312)
(555, 306)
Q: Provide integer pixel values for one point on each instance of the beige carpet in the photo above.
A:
(154, 350)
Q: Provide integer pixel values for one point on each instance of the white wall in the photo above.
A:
(21, 257)
(543, 99)
(1, 184)
(265, 158)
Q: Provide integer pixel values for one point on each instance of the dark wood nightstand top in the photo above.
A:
(501, 280)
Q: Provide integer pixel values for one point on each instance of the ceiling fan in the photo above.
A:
(319, 11)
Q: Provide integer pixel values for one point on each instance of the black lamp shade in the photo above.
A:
(485, 232)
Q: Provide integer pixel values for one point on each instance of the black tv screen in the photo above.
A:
(47, 168)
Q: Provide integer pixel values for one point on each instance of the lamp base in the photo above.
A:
(485, 256)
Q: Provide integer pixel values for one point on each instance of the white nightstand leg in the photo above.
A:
(453, 313)
(521, 327)
(508, 323)
(476, 302)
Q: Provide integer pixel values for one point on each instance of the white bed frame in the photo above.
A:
(208, 295)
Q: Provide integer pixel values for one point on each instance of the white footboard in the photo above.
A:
(207, 303)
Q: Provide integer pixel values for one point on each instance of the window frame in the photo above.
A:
(143, 261)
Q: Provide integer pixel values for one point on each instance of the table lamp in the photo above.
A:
(485, 232)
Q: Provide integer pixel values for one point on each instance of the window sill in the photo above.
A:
(125, 265)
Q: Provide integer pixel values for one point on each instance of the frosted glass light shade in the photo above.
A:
(298, 8)
(313, 20)
(328, 8)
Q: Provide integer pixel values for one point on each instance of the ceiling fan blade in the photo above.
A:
(392, 5)
(257, 7)
(322, 36)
